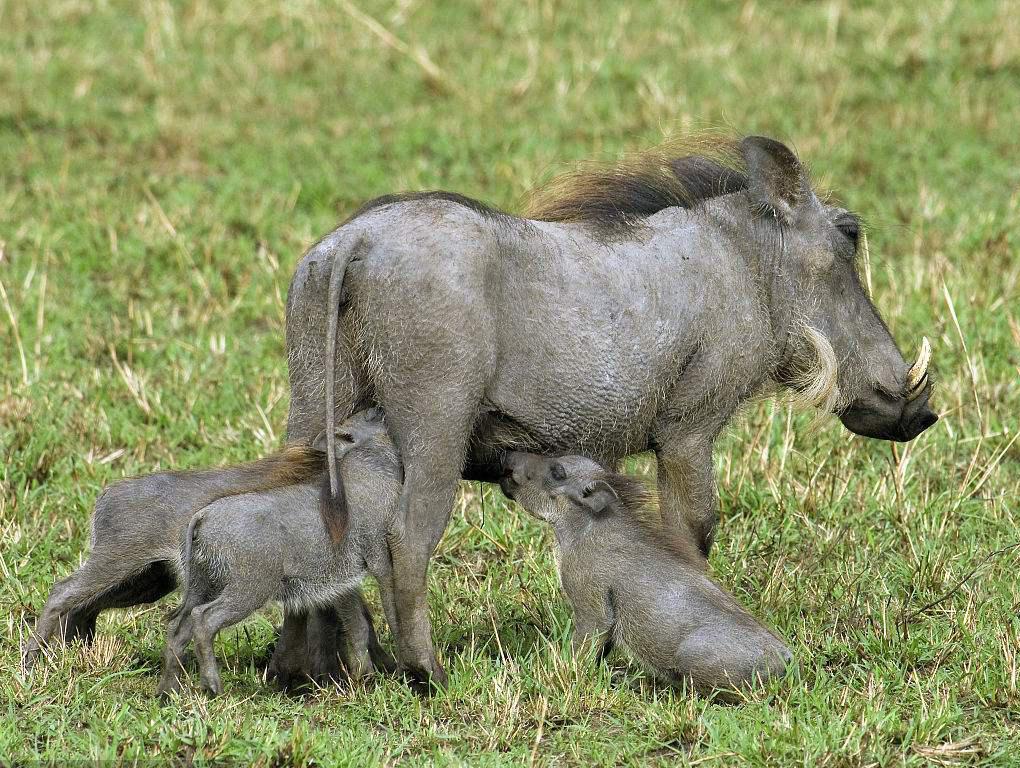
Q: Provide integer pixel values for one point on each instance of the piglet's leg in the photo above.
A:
(235, 604)
(179, 634)
(79, 590)
(591, 631)
(594, 616)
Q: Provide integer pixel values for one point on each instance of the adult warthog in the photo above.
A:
(635, 309)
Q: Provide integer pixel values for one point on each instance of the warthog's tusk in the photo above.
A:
(918, 373)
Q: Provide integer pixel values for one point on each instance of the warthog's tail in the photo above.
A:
(333, 508)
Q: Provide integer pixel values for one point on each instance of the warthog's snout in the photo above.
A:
(886, 418)
(917, 417)
(896, 417)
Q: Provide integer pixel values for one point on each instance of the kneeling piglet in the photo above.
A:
(630, 582)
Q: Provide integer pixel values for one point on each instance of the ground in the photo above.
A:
(162, 168)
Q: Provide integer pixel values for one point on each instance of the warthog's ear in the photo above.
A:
(596, 498)
(776, 180)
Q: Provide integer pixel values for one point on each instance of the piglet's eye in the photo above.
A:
(557, 472)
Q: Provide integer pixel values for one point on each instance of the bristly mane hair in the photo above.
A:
(615, 197)
(641, 505)
(621, 195)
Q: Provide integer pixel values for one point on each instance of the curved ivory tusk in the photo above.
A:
(918, 373)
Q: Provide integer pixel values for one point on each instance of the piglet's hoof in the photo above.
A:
(168, 686)
(29, 656)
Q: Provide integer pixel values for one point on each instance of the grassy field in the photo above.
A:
(164, 164)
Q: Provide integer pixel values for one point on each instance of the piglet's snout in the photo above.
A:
(513, 473)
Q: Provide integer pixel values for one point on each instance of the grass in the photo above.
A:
(163, 166)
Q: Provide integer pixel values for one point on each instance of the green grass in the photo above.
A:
(163, 166)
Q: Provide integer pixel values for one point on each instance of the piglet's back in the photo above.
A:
(280, 518)
(140, 509)
(289, 516)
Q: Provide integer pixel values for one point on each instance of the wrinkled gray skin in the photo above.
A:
(627, 586)
(134, 558)
(244, 550)
(478, 332)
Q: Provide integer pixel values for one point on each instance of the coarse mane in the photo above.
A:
(615, 196)
(621, 195)
(640, 508)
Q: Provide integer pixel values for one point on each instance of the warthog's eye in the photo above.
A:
(346, 437)
(850, 229)
(557, 472)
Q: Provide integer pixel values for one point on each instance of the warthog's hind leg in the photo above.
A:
(432, 442)
(289, 665)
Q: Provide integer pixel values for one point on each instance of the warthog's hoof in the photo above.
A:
(426, 682)
(212, 685)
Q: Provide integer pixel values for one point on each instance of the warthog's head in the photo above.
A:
(839, 352)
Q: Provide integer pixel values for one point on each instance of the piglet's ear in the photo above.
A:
(597, 499)
(776, 180)
(345, 442)
(319, 443)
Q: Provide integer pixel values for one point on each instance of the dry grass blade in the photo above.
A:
(14, 328)
(952, 752)
(971, 368)
(433, 74)
(956, 587)
(133, 382)
(40, 324)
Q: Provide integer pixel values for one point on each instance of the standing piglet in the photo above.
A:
(136, 533)
(632, 583)
(243, 550)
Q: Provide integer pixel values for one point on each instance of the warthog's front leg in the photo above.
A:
(686, 484)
